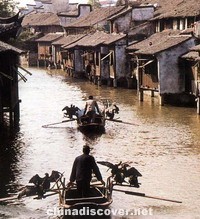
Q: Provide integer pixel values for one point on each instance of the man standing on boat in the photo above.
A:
(91, 107)
(83, 167)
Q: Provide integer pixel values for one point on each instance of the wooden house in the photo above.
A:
(95, 20)
(176, 14)
(106, 55)
(45, 19)
(60, 55)
(42, 22)
(113, 68)
(74, 13)
(130, 17)
(159, 15)
(9, 61)
(45, 53)
(191, 64)
(48, 22)
(156, 63)
(9, 97)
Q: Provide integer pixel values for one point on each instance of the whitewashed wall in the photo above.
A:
(171, 80)
(78, 59)
(142, 13)
(120, 55)
(123, 23)
(60, 5)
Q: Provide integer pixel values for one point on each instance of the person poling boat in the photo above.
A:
(92, 120)
(82, 190)
(83, 167)
(91, 109)
(99, 196)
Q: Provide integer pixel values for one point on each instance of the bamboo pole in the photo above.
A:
(120, 121)
(56, 123)
(146, 196)
(24, 69)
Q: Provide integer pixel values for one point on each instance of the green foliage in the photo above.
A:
(20, 42)
(94, 3)
(7, 8)
(25, 35)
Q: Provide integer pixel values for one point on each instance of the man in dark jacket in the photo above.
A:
(83, 167)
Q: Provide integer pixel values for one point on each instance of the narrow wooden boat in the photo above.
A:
(86, 124)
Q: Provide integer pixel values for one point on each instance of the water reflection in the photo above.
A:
(92, 137)
(10, 153)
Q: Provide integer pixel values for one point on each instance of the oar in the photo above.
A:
(8, 198)
(54, 193)
(47, 195)
(146, 196)
(120, 121)
(45, 126)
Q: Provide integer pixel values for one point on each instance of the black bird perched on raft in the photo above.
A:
(71, 111)
(132, 173)
(111, 111)
(41, 184)
(37, 180)
(121, 171)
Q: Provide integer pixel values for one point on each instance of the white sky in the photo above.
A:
(24, 2)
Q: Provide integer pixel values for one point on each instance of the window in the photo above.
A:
(112, 58)
(168, 24)
(97, 59)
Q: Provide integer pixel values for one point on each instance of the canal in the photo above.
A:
(163, 144)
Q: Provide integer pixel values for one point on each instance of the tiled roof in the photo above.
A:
(174, 8)
(69, 13)
(93, 40)
(195, 48)
(191, 55)
(41, 19)
(9, 20)
(6, 47)
(146, 27)
(50, 37)
(96, 16)
(10, 30)
(66, 40)
(159, 42)
(7, 27)
(112, 38)
(121, 13)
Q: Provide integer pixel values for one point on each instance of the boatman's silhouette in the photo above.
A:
(83, 167)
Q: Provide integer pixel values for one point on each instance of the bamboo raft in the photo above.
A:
(100, 196)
